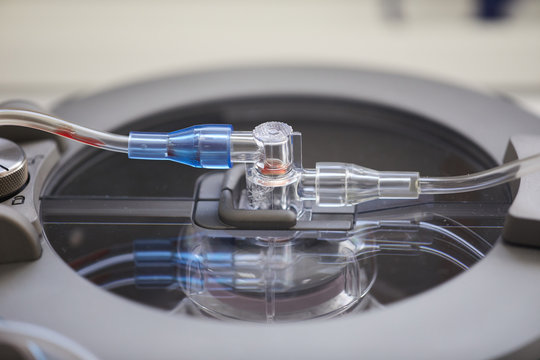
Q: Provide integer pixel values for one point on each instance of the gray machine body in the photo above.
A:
(490, 311)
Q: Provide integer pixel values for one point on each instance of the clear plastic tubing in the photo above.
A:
(482, 180)
(44, 122)
(218, 147)
(340, 184)
(203, 146)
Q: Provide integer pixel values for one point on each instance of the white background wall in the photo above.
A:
(49, 49)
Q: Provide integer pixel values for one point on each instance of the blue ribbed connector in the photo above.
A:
(202, 146)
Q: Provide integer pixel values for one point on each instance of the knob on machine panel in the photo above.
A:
(13, 168)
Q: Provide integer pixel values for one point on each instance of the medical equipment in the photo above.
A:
(191, 246)
(274, 151)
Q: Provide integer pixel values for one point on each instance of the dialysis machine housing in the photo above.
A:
(140, 259)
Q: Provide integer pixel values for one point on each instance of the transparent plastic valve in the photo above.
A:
(272, 180)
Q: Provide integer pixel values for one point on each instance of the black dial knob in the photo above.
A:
(13, 168)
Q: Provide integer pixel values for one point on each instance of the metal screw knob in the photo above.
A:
(13, 168)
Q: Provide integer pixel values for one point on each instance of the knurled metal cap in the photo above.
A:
(13, 168)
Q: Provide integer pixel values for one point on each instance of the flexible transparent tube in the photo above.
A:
(44, 122)
(341, 184)
(482, 180)
(205, 146)
(243, 148)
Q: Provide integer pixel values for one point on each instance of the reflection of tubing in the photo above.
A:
(102, 264)
(224, 286)
(444, 255)
(452, 236)
(467, 230)
(39, 341)
(226, 259)
(118, 283)
(374, 227)
(372, 248)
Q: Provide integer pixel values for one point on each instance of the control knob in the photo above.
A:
(13, 168)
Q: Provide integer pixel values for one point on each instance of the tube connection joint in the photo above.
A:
(341, 184)
(202, 146)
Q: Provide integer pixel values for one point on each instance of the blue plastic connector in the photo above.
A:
(202, 146)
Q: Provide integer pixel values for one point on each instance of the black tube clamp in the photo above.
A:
(229, 213)
(216, 208)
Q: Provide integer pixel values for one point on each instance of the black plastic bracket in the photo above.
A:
(216, 208)
(233, 182)
(522, 225)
